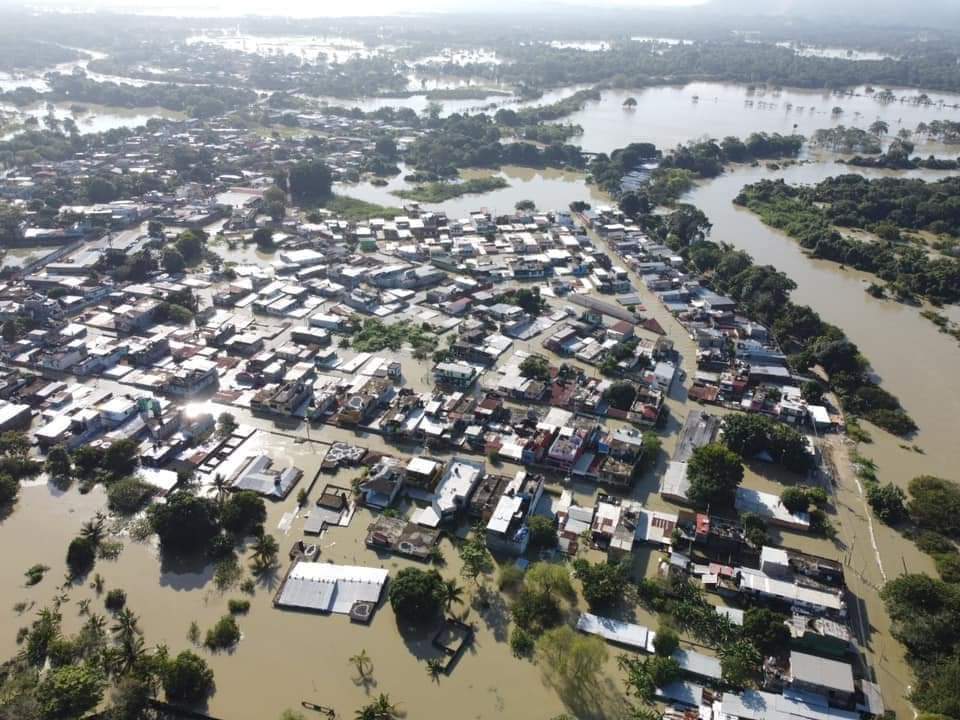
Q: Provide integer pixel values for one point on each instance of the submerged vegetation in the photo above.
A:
(886, 207)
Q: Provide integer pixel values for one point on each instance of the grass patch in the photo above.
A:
(350, 208)
(436, 192)
(374, 336)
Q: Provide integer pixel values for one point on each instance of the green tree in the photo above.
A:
(243, 512)
(550, 579)
(185, 523)
(10, 331)
(122, 457)
(936, 690)
(621, 395)
(309, 181)
(888, 502)
(543, 533)
(604, 584)
(714, 473)
(536, 367)
(452, 594)
(362, 664)
(226, 424)
(666, 641)
(263, 237)
(740, 663)
(58, 464)
(70, 691)
(795, 499)
(173, 262)
(81, 555)
(9, 489)
(417, 595)
(935, 504)
(100, 190)
(187, 679)
(127, 496)
(767, 630)
(573, 660)
(645, 675)
(755, 529)
(475, 556)
(265, 551)
(224, 634)
(190, 245)
(380, 709)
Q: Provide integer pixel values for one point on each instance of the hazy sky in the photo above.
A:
(314, 8)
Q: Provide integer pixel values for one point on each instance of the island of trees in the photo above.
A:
(887, 207)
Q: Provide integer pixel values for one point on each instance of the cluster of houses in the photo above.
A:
(739, 365)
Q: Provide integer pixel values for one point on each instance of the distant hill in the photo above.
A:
(918, 13)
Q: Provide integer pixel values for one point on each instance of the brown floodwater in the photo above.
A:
(285, 657)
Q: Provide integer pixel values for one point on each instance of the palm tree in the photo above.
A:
(630, 102)
(362, 663)
(95, 530)
(265, 551)
(452, 594)
(128, 636)
(435, 668)
(221, 485)
(879, 128)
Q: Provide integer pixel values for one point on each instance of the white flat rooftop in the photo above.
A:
(326, 587)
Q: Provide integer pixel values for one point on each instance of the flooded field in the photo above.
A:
(669, 115)
(548, 188)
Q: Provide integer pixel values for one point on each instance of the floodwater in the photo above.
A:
(97, 118)
(306, 654)
(336, 49)
(550, 189)
(836, 52)
(669, 115)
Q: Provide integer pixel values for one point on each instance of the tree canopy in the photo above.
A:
(714, 473)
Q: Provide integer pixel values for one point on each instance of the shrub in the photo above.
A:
(238, 607)
(948, 565)
(887, 502)
(510, 577)
(932, 542)
(521, 642)
(9, 489)
(224, 634)
(35, 574)
(128, 496)
(115, 599)
(81, 555)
